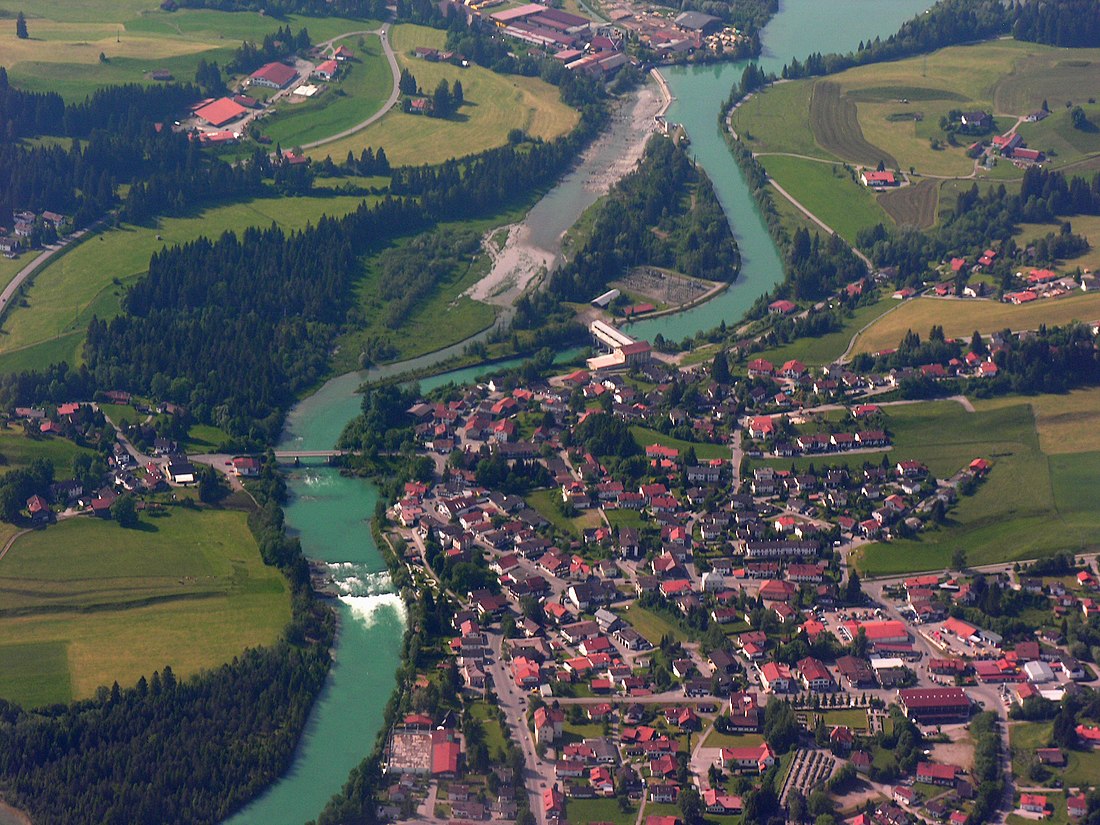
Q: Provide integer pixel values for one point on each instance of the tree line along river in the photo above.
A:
(331, 514)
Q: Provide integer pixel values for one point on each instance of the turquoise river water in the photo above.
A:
(331, 514)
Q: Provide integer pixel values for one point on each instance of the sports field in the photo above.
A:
(828, 191)
(136, 37)
(495, 104)
(961, 318)
(91, 603)
(1032, 504)
(90, 278)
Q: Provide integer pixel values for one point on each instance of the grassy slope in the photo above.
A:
(1031, 505)
(545, 502)
(828, 192)
(187, 589)
(18, 450)
(495, 104)
(961, 318)
(778, 120)
(66, 293)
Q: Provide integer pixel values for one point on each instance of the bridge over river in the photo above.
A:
(294, 455)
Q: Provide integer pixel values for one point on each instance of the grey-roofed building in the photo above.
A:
(696, 21)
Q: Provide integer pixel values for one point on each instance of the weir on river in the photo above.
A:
(331, 513)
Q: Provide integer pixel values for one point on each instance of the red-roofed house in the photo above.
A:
(782, 307)
(868, 178)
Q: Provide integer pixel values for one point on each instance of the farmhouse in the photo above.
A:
(877, 178)
(782, 307)
(326, 70)
(273, 75)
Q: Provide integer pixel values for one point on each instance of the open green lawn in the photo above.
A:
(829, 347)
(1031, 504)
(84, 603)
(546, 503)
(495, 104)
(494, 736)
(777, 120)
(961, 318)
(651, 625)
(90, 277)
(350, 100)
(852, 717)
(625, 518)
(829, 192)
(583, 811)
(19, 450)
(647, 437)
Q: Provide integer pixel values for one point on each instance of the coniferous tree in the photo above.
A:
(21, 27)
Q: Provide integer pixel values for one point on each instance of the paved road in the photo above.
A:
(395, 93)
(39, 260)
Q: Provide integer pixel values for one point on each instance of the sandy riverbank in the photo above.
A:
(529, 249)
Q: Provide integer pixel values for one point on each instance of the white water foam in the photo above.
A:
(367, 608)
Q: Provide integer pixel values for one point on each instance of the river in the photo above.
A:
(331, 513)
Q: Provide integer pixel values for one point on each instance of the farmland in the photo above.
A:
(495, 104)
(19, 450)
(912, 205)
(891, 111)
(835, 124)
(829, 347)
(961, 318)
(89, 278)
(92, 603)
(1011, 514)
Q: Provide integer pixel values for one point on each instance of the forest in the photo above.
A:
(665, 214)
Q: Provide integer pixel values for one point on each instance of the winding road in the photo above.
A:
(395, 93)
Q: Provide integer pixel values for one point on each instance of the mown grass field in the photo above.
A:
(961, 318)
(777, 120)
(829, 192)
(1031, 505)
(91, 603)
(136, 36)
(353, 98)
(1067, 424)
(601, 810)
(89, 279)
(495, 104)
(913, 205)
(835, 124)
